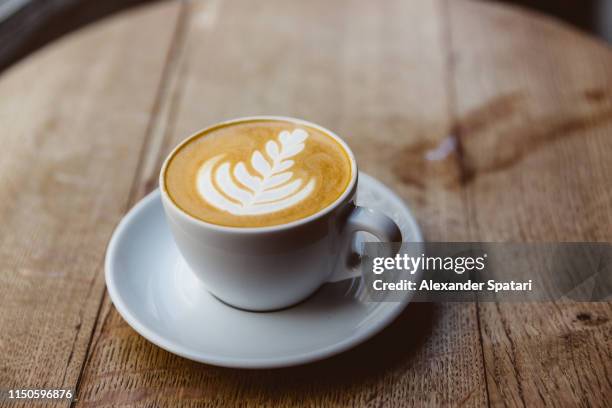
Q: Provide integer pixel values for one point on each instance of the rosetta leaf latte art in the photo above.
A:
(272, 186)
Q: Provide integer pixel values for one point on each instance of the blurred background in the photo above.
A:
(26, 25)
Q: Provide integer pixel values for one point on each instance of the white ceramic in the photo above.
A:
(270, 268)
(157, 294)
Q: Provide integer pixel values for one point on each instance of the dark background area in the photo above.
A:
(26, 25)
(594, 16)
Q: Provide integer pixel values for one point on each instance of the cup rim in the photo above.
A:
(271, 228)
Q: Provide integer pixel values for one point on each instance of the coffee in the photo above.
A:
(257, 173)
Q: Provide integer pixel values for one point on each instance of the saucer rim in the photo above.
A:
(241, 362)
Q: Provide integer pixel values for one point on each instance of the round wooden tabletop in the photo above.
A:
(493, 123)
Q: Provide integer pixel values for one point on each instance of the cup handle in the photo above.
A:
(364, 220)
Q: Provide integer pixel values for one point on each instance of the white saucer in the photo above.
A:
(156, 293)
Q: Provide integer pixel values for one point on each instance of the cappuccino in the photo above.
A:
(257, 173)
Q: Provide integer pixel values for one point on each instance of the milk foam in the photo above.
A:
(272, 188)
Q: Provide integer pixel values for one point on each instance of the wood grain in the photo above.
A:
(535, 133)
(492, 123)
(74, 117)
(336, 64)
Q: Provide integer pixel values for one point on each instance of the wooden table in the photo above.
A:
(525, 102)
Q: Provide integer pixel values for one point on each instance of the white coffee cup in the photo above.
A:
(268, 268)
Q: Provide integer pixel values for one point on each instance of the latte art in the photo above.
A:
(271, 189)
(257, 172)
